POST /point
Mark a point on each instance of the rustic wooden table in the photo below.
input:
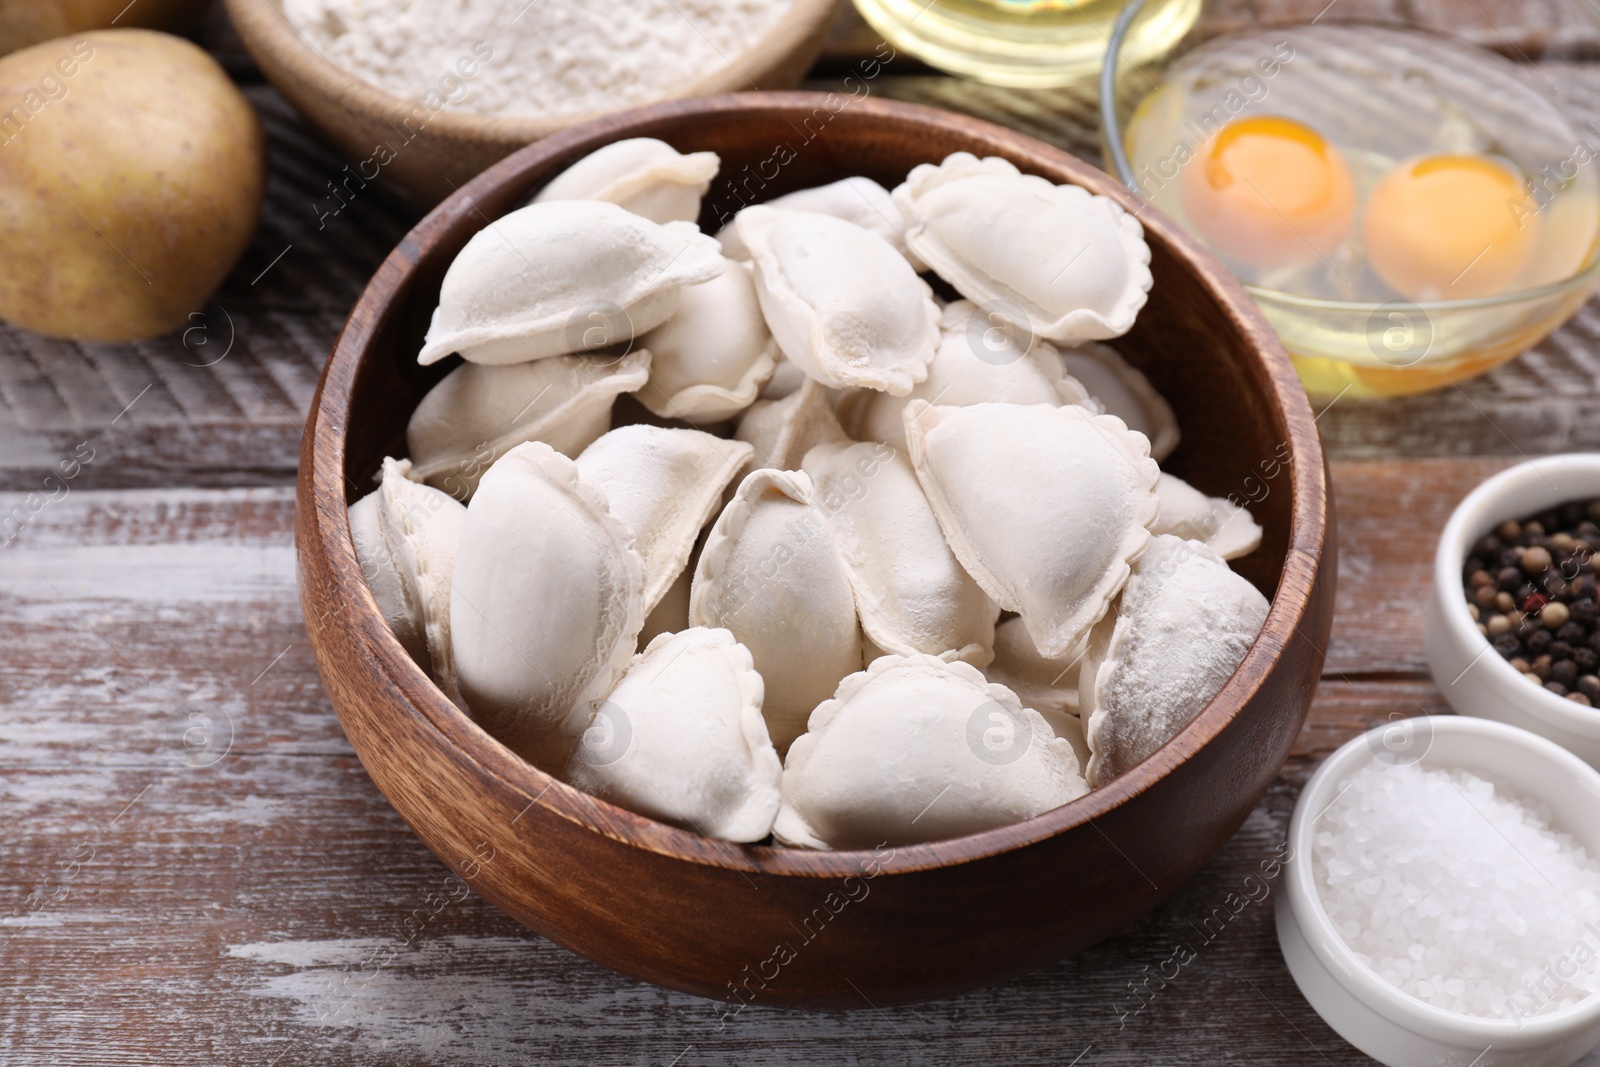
(195, 869)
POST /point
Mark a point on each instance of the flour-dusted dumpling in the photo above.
(641, 174)
(769, 574)
(1048, 686)
(564, 276)
(783, 431)
(786, 380)
(1181, 628)
(1188, 513)
(911, 594)
(709, 361)
(916, 749)
(842, 303)
(977, 361)
(478, 413)
(663, 485)
(1073, 264)
(405, 536)
(681, 739)
(1126, 393)
(546, 603)
(1044, 506)
(858, 200)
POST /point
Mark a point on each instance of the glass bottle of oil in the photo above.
(1031, 43)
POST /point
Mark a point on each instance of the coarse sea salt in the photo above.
(1459, 892)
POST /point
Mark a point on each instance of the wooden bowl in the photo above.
(433, 153)
(835, 929)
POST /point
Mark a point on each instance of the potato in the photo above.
(131, 179)
(25, 22)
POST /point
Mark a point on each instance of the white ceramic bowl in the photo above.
(1391, 1026)
(1472, 676)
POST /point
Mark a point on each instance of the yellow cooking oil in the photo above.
(1026, 43)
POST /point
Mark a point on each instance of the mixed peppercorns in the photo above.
(1532, 586)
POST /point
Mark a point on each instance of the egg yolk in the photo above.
(1268, 192)
(1441, 227)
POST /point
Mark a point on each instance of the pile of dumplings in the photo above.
(851, 564)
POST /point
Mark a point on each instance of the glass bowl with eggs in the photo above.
(1408, 207)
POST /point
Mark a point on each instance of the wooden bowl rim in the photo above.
(324, 488)
(263, 26)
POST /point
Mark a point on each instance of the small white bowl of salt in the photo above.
(1441, 901)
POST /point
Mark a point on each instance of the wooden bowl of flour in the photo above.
(431, 152)
(842, 929)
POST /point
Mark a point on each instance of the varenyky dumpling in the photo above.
(1182, 626)
(642, 175)
(405, 537)
(1186, 512)
(770, 575)
(546, 603)
(911, 594)
(783, 431)
(843, 304)
(663, 485)
(916, 749)
(1048, 686)
(977, 361)
(477, 413)
(858, 200)
(1074, 263)
(1126, 393)
(681, 739)
(709, 361)
(1044, 506)
(564, 276)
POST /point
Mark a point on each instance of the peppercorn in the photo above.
(1554, 615)
(1508, 579)
(1589, 686)
(1560, 650)
(1562, 541)
(1503, 603)
(1485, 596)
(1557, 688)
(1538, 641)
(1499, 624)
(1587, 659)
(1535, 561)
(1584, 611)
(1506, 644)
(1572, 633)
(1542, 665)
(1511, 529)
(1579, 698)
(1564, 671)
(1518, 664)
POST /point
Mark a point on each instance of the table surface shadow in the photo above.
(194, 867)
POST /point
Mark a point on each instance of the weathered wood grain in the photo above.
(227, 915)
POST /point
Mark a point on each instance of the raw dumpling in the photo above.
(977, 361)
(564, 276)
(783, 431)
(663, 485)
(1126, 393)
(786, 379)
(1186, 512)
(769, 574)
(842, 303)
(1183, 625)
(478, 413)
(405, 536)
(681, 739)
(1048, 686)
(546, 605)
(911, 594)
(1044, 506)
(709, 361)
(1074, 265)
(858, 200)
(642, 175)
(915, 749)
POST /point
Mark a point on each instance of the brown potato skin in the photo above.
(131, 177)
(26, 22)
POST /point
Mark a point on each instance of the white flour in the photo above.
(544, 56)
